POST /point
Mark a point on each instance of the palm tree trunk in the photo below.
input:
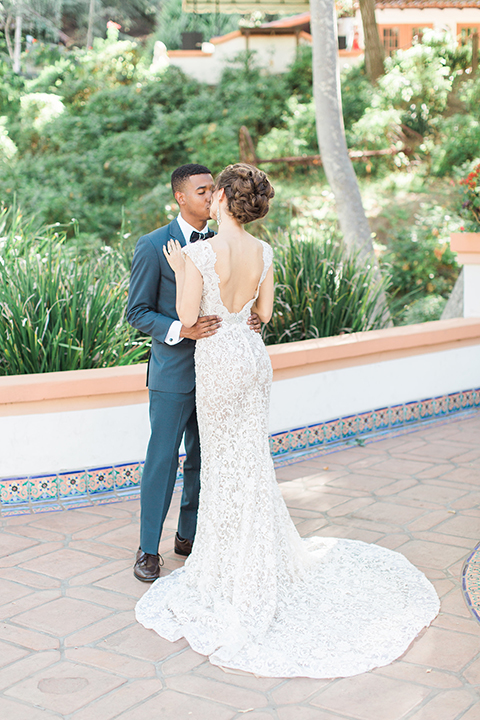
(374, 52)
(17, 49)
(330, 130)
(91, 16)
(331, 136)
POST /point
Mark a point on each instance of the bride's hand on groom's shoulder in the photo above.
(175, 258)
(255, 323)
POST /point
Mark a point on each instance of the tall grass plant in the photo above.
(321, 289)
(60, 310)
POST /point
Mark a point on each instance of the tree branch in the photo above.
(7, 36)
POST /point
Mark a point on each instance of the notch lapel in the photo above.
(176, 233)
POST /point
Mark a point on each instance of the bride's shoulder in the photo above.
(267, 251)
(200, 253)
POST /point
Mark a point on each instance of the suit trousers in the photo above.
(171, 415)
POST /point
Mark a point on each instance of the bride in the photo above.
(253, 595)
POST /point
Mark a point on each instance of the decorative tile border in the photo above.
(80, 488)
(471, 582)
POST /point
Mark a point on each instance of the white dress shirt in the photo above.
(173, 335)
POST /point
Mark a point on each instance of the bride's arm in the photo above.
(264, 303)
(189, 284)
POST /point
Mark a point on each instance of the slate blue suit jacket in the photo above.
(151, 309)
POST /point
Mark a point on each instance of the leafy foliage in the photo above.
(122, 130)
(321, 290)
(59, 311)
(424, 309)
(471, 199)
(296, 137)
(419, 259)
(417, 83)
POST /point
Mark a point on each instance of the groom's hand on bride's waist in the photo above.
(254, 322)
(204, 327)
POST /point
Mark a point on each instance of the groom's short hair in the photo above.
(182, 173)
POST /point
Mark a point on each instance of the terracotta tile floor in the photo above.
(70, 647)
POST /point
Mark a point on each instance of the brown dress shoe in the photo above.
(147, 567)
(182, 547)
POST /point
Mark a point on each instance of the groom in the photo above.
(170, 373)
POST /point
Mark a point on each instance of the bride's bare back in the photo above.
(239, 266)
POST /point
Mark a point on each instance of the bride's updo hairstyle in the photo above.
(248, 191)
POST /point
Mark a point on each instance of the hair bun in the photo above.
(248, 191)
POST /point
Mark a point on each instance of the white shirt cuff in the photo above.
(173, 335)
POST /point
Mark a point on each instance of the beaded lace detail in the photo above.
(253, 595)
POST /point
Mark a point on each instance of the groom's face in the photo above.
(195, 197)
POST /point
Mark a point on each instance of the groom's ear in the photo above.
(180, 198)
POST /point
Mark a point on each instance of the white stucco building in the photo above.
(399, 21)
(275, 43)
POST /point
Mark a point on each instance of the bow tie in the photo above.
(201, 236)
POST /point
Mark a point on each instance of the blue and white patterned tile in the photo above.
(316, 435)
(349, 426)
(454, 402)
(366, 422)
(42, 487)
(279, 443)
(71, 484)
(299, 439)
(381, 418)
(397, 415)
(427, 408)
(127, 475)
(14, 490)
(412, 412)
(333, 430)
(100, 480)
(441, 405)
(467, 399)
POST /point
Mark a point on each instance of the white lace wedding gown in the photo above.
(253, 595)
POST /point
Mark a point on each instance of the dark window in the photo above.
(390, 40)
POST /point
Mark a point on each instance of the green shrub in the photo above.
(417, 82)
(122, 131)
(248, 95)
(423, 310)
(297, 136)
(59, 311)
(377, 128)
(322, 290)
(419, 258)
(459, 143)
(298, 77)
(8, 148)
(11, 88)
(469, 93)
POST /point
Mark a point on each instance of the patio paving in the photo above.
(70, 647)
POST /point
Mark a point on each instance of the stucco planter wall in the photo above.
(324, 390)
